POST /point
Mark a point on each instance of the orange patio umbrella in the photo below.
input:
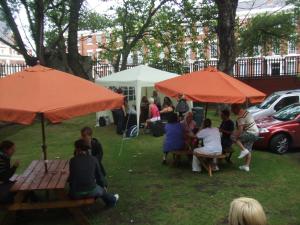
(210, 86)
(53, 95)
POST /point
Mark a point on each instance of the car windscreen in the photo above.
(268, 101)
(288, 113)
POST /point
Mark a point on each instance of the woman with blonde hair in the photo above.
(246, 211)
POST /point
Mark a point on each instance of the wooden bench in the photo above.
(206, 160)
(34, 178)
(51, 205)
(177, 154)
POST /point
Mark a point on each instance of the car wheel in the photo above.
(280, 143)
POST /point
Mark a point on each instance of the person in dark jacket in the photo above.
(7, 149)
(95, 146)
(182, 106)
(86, 179)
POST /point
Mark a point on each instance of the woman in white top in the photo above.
(212, 143)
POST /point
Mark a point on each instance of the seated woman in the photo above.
(166, 111)
(154, 114)
(190, 128)
(86, 179)
(211, 141)
(144, 109)
(174, 139)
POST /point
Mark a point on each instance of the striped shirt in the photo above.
(246, 120)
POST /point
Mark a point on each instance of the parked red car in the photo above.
(281, 131)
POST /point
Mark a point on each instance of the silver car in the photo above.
(274, 103)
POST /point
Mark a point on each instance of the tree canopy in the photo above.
(266, 29)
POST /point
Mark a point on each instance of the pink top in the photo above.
(154, 112)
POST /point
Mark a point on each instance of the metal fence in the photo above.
(243, 68)
(258, 67)
(7, 69)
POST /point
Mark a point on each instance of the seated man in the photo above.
(96, 149)
(211, 141)
(226, 129)
(86, 178)
(7, 149)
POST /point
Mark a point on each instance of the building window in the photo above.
(99, 38)
(256, 50)
(140, 57)
(189, 54)
(89, 40)
(130, 58)
(291, 47)
(276, 47)
(162, 55)
(214, 50)
(199, 30)
(90, 54)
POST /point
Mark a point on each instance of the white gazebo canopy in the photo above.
(137, 77)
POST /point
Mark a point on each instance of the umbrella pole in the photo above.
(206, 107)
(44, 146)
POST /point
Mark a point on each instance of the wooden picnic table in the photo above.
(34, 178)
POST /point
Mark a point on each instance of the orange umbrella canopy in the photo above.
(210, 85)
(58, 95)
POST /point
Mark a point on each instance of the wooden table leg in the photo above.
(10, 216)
(77, 213)
(79, 216)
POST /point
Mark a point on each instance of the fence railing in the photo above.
(7, 69)
(258, 67)
(243, 68)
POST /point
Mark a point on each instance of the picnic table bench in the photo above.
(206, 160)
(34, 179)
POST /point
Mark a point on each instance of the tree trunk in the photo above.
(124, 60)
(39, 34)
(73, 55)
(116, 64)
(20, 46)
(226, 34)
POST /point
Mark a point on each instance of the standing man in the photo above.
(226, 129)
(7, 149)
(156, 98)
(246, 134)
(182, 106)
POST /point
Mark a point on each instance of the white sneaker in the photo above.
(216, 169)
(245, 168)
(243, 153)
(117, 197)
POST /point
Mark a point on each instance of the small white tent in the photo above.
(137, 77)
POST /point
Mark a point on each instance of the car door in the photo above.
(297, 131)
(285, 101)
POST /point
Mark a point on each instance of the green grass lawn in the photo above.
(157, 194)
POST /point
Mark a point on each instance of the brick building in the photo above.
(89, 42)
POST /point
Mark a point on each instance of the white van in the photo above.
(274, 103)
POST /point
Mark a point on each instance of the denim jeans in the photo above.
(98, 192)
(5, 195)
